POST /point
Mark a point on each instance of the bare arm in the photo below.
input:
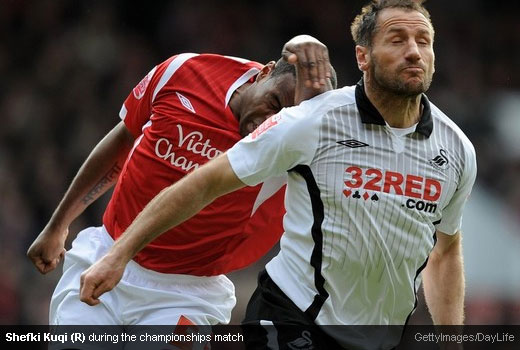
(443, 280)
(169, 208)
(97, 174)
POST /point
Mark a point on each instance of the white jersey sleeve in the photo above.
(283, 141)
(452, 214)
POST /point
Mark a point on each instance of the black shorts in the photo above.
(273, 321)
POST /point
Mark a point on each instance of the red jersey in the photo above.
(180, 117)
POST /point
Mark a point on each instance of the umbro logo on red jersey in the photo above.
(185, 102)
(352, 143)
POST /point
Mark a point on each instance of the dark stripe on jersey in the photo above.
(415, 294)
(419, 270)
(317, 236)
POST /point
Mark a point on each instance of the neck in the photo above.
(397, 110)
(236, 101)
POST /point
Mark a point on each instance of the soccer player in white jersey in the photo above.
(377, 181)
(186, 111)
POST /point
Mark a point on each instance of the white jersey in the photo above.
(363, 203)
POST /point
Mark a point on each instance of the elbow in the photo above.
(447, 246)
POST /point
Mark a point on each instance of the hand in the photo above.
(101, 277)
(311, 58)
(48, 249)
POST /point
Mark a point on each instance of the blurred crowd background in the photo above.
(67, 66)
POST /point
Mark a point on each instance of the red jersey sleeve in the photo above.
(136, 109)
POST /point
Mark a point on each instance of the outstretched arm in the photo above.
(443, 280)
(97, 174)
(169, 208)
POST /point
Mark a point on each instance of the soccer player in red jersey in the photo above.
(184, 112)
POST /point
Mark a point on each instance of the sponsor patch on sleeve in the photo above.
(266, 125)
(140, 89)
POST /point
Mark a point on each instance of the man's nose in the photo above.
(412, 51)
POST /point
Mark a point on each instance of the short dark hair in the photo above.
(363, 27)
(284, 67)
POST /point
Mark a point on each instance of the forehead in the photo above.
(282, 83)
(281, 88)
(395, 19)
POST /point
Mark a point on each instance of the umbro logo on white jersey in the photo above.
(352, 143)
(185, 102)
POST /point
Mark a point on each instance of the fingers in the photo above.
(297, 55)
(290, 57)
(324, 72)
(45, 265)
(311, 60)
(308, 68)
(47, 250)
(41, 266)
(90, 290)
(50, 266)
(97, 280)
(44, 268)
(318, 66)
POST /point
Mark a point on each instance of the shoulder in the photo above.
(206, 59)
(320, 105)
(178, 60)
(225, 61)
(300, 125)
(450, 130)
(242, 60)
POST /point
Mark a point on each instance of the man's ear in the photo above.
(362, 57)
(264, 72)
